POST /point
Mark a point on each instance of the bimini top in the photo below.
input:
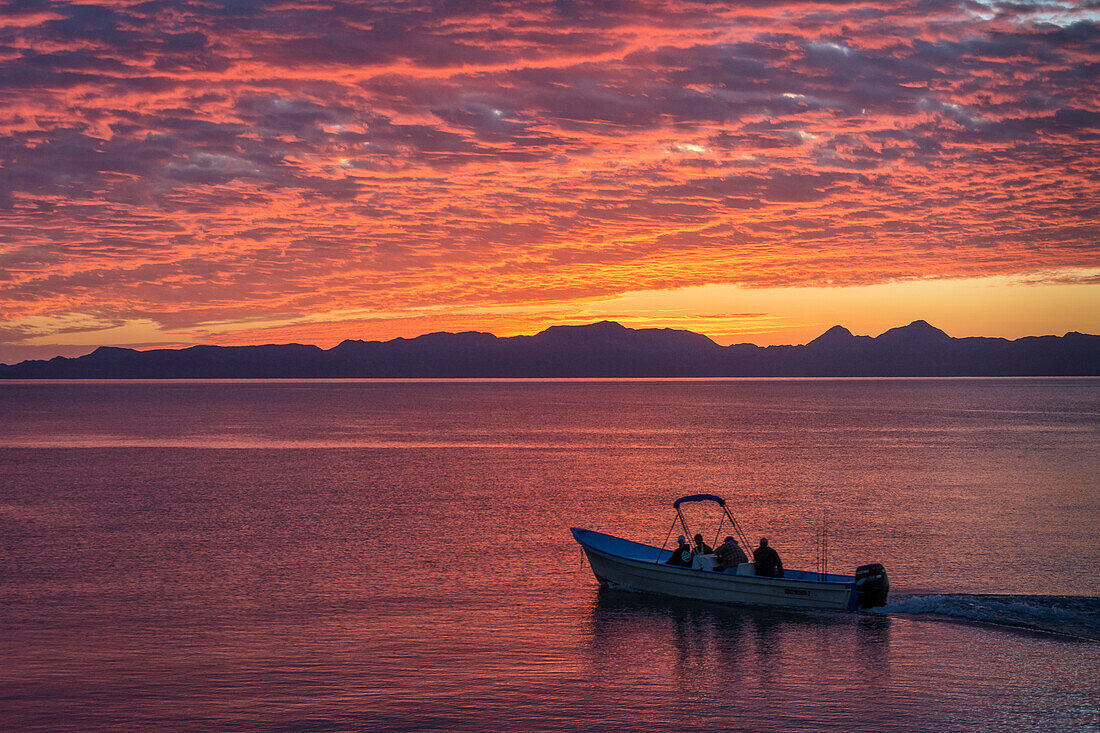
(698, 497)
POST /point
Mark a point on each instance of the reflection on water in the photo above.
(720, 655)
(787, 671)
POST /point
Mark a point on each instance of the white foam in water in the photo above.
(1071, 615)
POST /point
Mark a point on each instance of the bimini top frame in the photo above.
(699, 497)
(725, 509)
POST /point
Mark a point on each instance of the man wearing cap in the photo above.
(682, 555)
(730, 554)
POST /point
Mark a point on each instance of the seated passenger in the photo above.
(730, 554)
(681, 555)
(767, 560)
(702, 548)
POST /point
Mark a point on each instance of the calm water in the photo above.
(396, 556)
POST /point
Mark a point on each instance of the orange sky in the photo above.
(230, 173)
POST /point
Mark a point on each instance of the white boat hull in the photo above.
(632, 566)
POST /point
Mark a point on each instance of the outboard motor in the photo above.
(872, 586)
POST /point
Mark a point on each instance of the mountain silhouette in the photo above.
(837, 336)
(603, 349)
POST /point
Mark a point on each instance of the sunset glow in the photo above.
(237, 172)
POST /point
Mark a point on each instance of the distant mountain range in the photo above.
(604, 349)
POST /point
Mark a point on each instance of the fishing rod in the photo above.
(823, 547)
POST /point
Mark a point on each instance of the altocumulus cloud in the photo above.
(187, 162)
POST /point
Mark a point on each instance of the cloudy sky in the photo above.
(237, 171)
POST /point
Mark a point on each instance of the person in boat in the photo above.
(681, 555)
(702, 548)
(767, 560)
(730, 554)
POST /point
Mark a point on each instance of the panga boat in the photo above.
(633, 566)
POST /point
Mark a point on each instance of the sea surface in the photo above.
(396, 555)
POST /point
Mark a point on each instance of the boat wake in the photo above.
(1076, 616)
